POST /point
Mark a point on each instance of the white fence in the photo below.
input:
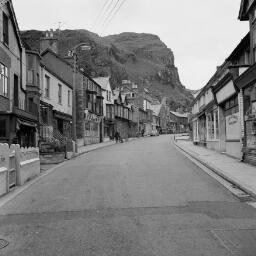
(17, 165)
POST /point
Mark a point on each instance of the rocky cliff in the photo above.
(142, 58)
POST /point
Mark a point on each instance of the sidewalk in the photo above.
(240, 174)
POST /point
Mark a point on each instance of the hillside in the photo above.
(142, 58)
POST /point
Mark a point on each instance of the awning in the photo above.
(25, 123)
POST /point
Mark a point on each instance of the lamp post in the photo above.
(84, 47)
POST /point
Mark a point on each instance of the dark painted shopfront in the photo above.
(247, 82)
(19, 127)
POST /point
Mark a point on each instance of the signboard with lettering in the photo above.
(233, 127)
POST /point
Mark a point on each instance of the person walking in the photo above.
(117, 136)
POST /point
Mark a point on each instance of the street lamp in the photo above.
(84, 47)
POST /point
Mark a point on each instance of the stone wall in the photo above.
(18, 165)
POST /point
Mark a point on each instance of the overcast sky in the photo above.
(201, 33)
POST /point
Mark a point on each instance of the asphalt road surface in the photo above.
(140, 198)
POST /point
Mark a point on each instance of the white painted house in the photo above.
(106, 92)
(56, 92)
(56, 103)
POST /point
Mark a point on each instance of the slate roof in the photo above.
(102, 81)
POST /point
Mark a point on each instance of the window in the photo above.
(94, 103)
(254, 42)
(69, 98)
(3, 80)
(5, 29)
(47, 86)
(216, 124)
(88, 101)
(2, 128)
(231, 106)
(38, 80)
(195, 130)
(30, 77)
(108, 111)
(59, 93)
(44, 114)
(213, 125)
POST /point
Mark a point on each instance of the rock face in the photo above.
(142, 58)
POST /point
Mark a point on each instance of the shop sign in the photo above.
(233, 127)
(92, 117)
(226, 92)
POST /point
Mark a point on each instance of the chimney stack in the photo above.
(49, 42)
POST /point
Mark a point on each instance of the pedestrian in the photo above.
(117, 136)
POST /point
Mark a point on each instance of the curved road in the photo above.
(139, 198)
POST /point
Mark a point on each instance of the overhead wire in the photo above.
(110, 13)
(113, 16)
(105, 14)
(100, 12)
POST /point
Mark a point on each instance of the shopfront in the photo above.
(202, 130)
(212, 128)
(93, 129)
(250, 124)
(226, 95)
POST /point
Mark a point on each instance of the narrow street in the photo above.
(137, 198)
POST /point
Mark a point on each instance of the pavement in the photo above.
(240, 174)
(142, 198)
(88, 148)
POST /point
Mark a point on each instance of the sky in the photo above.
(201, 33)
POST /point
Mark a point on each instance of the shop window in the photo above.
(2, 128)
(210, 126)
(213, 125)
(3, 80)
(195, 130)
(44, 115)
(250, 102)
(250, 115)
(60, 125)
(251, 134)
(87, 128)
